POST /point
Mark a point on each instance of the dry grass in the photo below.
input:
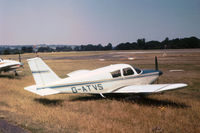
(175, 111)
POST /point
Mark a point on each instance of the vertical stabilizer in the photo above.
(41, 72)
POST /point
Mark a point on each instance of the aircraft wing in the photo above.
(154, 88)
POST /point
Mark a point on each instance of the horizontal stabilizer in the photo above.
(149, 88)
(41, 92)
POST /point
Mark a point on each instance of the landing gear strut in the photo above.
(102, 95)
(16, 74)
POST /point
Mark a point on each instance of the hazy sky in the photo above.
(96, 21)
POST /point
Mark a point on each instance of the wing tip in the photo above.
(182, 84)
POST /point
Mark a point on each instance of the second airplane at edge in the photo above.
(10, 65)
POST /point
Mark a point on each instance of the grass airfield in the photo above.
(173, 111)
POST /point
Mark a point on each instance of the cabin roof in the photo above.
(112, 68)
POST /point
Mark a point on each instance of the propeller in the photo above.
(20, 60)
(156, 63)
(156, 68)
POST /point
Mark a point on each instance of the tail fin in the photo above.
(41, 72)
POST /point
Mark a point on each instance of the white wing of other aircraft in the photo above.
(118, 78)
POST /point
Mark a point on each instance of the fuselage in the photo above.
(103, 80)
(9, 65)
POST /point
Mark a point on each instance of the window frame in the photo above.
(137, 69)
(119, 74)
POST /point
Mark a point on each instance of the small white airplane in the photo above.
(10, 65)
(118, 78)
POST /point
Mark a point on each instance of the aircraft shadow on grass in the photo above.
(135, 99)
(11, 76)
(49, 102)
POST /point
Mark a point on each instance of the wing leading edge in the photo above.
(149, 88)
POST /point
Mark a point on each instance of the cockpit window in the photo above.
(116, 74)
(128, 71)
(138, 70)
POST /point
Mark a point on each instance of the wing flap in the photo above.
(41, 92)
(149, 88)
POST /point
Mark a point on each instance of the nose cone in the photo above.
(160, 73)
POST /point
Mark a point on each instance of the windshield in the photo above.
(137, 70)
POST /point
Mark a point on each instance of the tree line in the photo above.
(141, 44)
(177, 43)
